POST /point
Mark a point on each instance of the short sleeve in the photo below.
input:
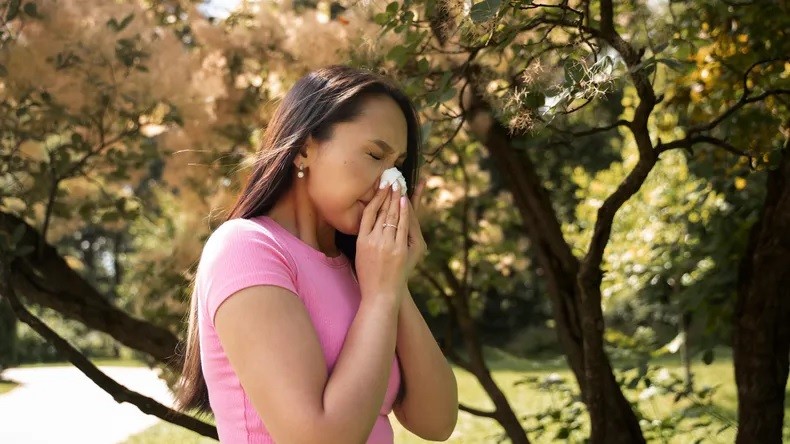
(239, 254)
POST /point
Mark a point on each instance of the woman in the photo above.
(300, 301)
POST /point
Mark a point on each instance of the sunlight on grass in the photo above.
(7, 386)
(506, 371)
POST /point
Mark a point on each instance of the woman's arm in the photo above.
(271, 343)
(430, 406)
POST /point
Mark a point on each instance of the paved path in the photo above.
(61, 405)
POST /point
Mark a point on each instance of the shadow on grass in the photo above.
(6, 385)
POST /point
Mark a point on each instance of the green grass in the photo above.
(6, 386)
(506, 371)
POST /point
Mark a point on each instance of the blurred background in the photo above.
(607, 205)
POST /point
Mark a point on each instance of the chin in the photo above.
(352, 227)
(350, 232)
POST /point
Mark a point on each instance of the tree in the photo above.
(492, 58)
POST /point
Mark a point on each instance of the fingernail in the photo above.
(403, 201)
(382, 185)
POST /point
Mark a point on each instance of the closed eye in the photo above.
(399, 166)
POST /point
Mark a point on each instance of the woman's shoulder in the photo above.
(243, 229)
(241, 236)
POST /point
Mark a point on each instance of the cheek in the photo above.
(342, 183)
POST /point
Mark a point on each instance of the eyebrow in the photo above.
(386, 147)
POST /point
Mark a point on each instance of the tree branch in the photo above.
(688, 142)
(744, 100)
(590, 131)
(119, 393)
(50, 282)
(477, 412)
(450, 351)
(607, 17)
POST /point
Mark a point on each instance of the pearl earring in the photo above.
(300, 174)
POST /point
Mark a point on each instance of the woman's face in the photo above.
(344, 175)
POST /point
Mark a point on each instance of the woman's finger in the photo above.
(402, 236)
(370, 213)
(381, 217)
(393, 212)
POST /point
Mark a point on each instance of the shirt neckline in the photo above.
(336, 261)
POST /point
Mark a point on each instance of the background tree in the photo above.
(494, 56)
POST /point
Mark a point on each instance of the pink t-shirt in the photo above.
(244, 252)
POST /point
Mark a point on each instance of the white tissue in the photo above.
(391, 175)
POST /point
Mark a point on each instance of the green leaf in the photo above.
(484, 11)
(447, 94)
(24, 250)
(13, 10)
(426, 131)
(392, 8)
(110, 216)
(31, 10)
(87, 211)
(398, 54)
(534, 100)
(423, 65)
(16, 236)
(381, 18)
(574, 73)
(676, 65)
(125, 22)
(660, 47)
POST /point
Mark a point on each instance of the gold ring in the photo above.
(390, 225)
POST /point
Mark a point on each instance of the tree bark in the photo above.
(46, 279)
(762, 317)
(613, 418)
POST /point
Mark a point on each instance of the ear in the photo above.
(307, 153)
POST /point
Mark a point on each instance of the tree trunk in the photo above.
(561, 268)
(762, 316)
(685, 351)
(8, 336)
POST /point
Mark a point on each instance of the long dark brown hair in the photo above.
(316, 102)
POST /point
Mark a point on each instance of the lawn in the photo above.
(508, 370)
(6, 386)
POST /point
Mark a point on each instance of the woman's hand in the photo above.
(382, 246)
(417, 246)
